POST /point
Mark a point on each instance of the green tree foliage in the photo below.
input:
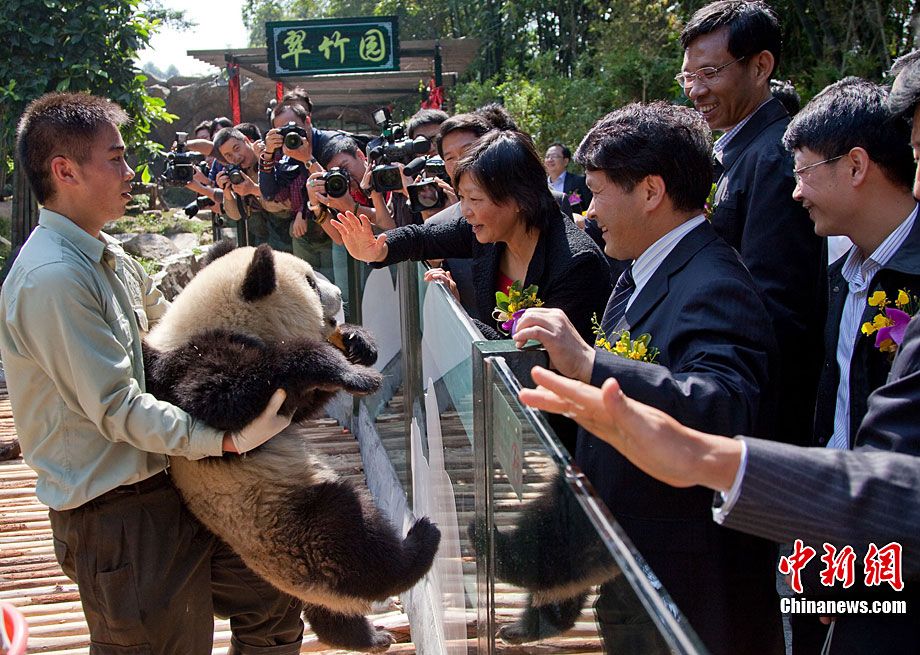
(560, 64)
(77, 45)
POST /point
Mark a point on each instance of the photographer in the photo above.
(268, 221)
(343, 153)
(283, 172)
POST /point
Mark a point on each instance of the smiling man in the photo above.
(687, 289)
(854, 174)
(731, 49)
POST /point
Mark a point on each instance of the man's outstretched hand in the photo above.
(647, 437)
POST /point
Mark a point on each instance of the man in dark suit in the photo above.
(572, 186)
(783, 492)
(854, 173)
(731, 48)
(689, 291)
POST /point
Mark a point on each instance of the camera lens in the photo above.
(235, 175)
(293, 141)
(336, 184)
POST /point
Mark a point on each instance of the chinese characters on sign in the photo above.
(332, 46)
(880, 565)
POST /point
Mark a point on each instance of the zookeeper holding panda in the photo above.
(72, 312)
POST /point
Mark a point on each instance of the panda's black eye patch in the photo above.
(312, 282)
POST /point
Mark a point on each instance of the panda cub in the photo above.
(251, 321)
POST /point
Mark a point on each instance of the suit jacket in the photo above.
(869, 367)
(755, 213)
(702, 311)
(569, 270)
(575, 188)
(871, 494)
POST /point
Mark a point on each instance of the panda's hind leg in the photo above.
(349, 631)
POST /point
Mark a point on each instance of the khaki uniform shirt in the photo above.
(72, 311)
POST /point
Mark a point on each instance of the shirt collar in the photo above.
(80, 238)
(649, 261)
(882, 255)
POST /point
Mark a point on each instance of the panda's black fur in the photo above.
(250, 322)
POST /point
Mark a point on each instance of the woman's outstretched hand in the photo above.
(359, 238)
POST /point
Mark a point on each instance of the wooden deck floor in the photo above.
(31, 579)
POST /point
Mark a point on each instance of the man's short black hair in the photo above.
(296, 109)
(496, 114)
(641, 140)
(854, 113)
(251, 130)
(905, 91)
(220, 123)
(61, 124)
(337, 145)
(784, 91)
(425, 117)
(506, 165)
(471, 122)
(566, 153)
(298, 95)
(752, 28)
(205, 125)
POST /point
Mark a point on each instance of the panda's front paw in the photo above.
(357, 344)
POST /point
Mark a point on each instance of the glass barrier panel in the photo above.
(560, 575)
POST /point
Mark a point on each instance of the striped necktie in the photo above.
(616, 306)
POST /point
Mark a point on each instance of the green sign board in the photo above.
(332, 45)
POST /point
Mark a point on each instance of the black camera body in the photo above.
(435, 167)
(293, 134)
(426, 195)
(337, 181)
(386, 177)
(390, 148)
(235, 174)
(180, 164)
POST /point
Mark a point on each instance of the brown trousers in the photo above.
(152, 577)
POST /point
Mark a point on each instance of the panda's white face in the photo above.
(285, 300)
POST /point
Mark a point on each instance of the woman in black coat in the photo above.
(512, 229)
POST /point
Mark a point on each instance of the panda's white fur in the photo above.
(248, 501)
(212, 299)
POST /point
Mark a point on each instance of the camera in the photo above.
(390, 148)
(235, 174)
(202, 202)
(180, 164)
(426, 195)
(293, 134)
(434, 167)
(337, 182)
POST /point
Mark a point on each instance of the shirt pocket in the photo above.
(121, 329)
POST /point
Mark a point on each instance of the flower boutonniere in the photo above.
(574, 198)
(890, 323)
(710, 205)
(509, 306)
(623, 345)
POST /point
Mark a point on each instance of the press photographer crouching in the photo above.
(268, 220)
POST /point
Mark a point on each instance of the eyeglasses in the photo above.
(707, 75)
(798, 172)
(552, 157)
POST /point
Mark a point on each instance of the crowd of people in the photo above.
(684, 289)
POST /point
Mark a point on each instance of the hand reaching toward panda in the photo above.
(359, 238)
(262, 428)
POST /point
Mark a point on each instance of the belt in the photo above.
(156, 481)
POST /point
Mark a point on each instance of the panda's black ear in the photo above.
(218, 250)
(260, 276)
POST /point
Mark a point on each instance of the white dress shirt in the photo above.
(558, 184)
(649, 261)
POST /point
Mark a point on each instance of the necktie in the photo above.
(616, 306)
